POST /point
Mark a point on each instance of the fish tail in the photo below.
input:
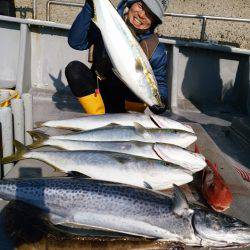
(40, 124)
(38, 138)
(196, 149)
(94, 18)
(18, 155)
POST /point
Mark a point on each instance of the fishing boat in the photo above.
(209, 90)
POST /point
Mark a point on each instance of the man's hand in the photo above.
(91, 4)
(160, 109)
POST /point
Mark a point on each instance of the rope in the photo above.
(13, 94)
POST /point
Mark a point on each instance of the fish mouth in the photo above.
(156, 122)
(219, 208)
(159, 152)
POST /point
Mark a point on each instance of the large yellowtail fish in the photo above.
(109, 166)
(130, 62)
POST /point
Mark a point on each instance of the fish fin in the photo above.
(112, 125)
(180, 201)
(139, 129)
(76, 174)
(210, 164)
(94, 17)
(39, 124)
(18, 155)
(38, 138)
(147, 185)
(196, 149)
(138, 64)
(121, 159)
(216, 166)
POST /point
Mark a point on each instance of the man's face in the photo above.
(139, 16)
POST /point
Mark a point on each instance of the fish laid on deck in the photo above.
(161, 151)
(214, 189)
(89, 122)
(127, 209)
(136, 133)
(110, 166)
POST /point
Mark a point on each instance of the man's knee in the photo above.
(75, 70)
(80, 79)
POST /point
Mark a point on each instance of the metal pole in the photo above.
(203, 29)
(49, 3)
(28, 116)
(34, 10)
(18, 115)
(7, 135)
(234, 19)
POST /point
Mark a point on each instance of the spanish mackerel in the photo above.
(130, 62)
(89, 122)
(161, 151)
(136, 133)
(126, 209)
(109, 166)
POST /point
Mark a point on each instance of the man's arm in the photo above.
(83, 31)
(159, 63)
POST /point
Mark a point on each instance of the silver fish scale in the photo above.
(120, 134)
(66, 195)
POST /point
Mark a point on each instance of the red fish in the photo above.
(214, 188)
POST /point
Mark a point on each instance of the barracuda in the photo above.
(161, 151)
(97, 121)
(127, 209)
(130, 62)
(109, 166)
(136, 133)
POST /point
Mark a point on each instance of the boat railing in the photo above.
(204, 18)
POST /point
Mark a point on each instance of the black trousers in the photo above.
(83, 81)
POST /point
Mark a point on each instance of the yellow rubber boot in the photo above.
(92, 104)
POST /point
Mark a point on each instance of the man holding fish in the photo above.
(146, 79)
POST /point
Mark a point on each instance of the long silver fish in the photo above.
(126, 209)
(89, 122)
(130, 62)
(109, 166)
(136, 133)
(161, 151)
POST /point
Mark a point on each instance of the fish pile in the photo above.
(125, 164)
(152, 157)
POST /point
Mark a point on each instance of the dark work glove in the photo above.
(91, 4)
(160, 109)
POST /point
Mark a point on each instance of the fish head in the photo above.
(217, 229)
(192, 161)
(215, 191)
(165, 122)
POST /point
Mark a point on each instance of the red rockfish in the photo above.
(214, 188)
